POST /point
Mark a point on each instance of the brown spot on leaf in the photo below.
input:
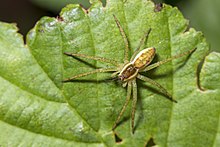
(158, 7)
(59, 18)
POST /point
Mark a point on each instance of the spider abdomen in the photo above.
(144, 57)
(141, 60)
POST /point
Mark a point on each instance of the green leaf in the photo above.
(37, 109)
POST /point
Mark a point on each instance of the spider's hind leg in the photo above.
(152, 66)
(161, 88)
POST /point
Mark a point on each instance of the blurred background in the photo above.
(204, 15)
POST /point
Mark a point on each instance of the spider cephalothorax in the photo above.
(130, 71)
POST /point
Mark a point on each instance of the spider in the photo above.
(130, 70)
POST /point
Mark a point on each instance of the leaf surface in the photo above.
(37, 109)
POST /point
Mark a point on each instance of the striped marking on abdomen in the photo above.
(144, 57)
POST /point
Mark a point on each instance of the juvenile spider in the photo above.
(130, 70)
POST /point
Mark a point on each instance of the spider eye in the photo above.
(121, 77)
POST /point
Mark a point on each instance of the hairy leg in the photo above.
(101, 70)
(152, 66)
(124, 106)
(94, 58)
(143, 39)
(161, 88)
(126, 53)
(134, 103)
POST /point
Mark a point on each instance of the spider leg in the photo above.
(162, 89)
(91, 72)
(143, 39)
(126, 56)
(124, 106)
(94, 58)
(115, 74)
(134, 103)
(152, 66)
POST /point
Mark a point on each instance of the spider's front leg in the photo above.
(122, 32)
(101, 70)
(134, 103)
(129, 87)
(96, 58)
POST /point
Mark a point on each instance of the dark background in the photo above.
(204, 15)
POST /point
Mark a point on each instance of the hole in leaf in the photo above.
(117, 138)
(199, 68)
(150, 143)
